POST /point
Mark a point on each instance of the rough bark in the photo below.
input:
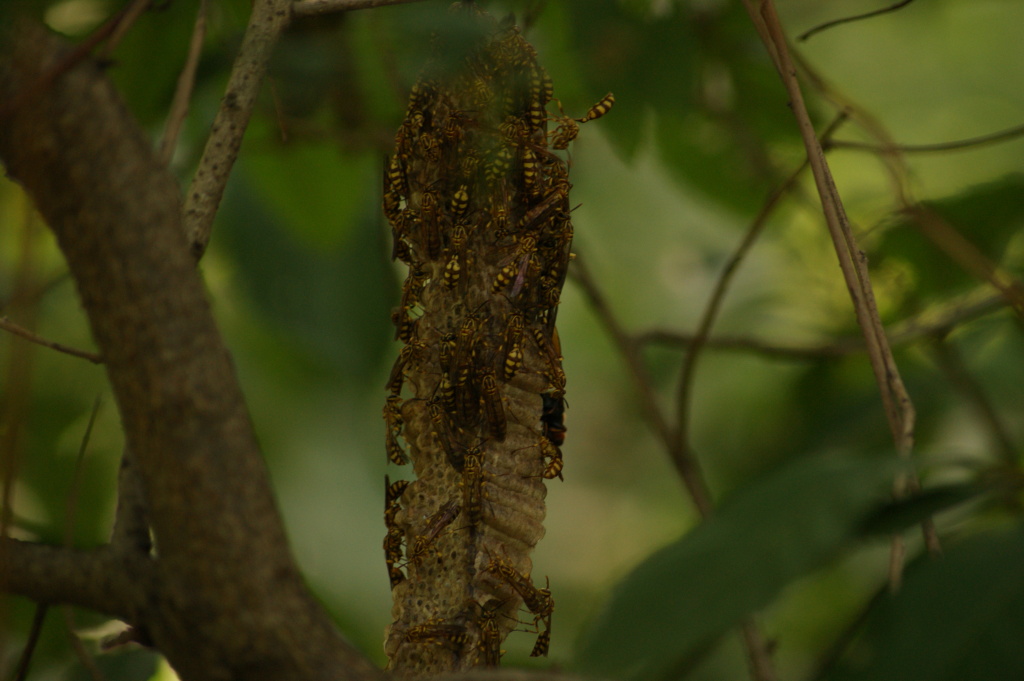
(224, 599)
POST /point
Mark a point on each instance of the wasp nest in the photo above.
(478, 202)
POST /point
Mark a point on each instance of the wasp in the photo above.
(482, 94)
(599, 109)
(490, 638)
(551, 350)
(407, 221)
(459, 202)
(515, 268)
(472, 486)
(393, 539)
(537, 601)
(393, 555)
(397, 376)
(430, 146)
(440, 519)
(464, 347)
(413, 287)
(444, 435)
(514, 129)
(532, 219)
(469, 162)
(547, 86)
(393, 422)
(530, 168)
(511, 347)
(420, 93)
(552, 418)
(552, 455)
(394, 177)
(499, 212)
(540, 648)
(430, 220)
(535, 110)
(452, 271)
(405, 325)
(494, 408)
(435, 631)
(499, 165)
(392, 493)
(564, 133)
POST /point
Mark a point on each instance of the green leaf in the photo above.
(768, 534)
(719, 106)
(957, 617)
(897, 516)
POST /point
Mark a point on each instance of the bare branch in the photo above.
(899, 409)
(25, 659)
(310, 8)
(626, 345)
(269, 18)
(76, 644)
(679, 446)
(96, 579)
(186, 81)
(20, 331)
(858, 17)
(955, 145)
(924, 326)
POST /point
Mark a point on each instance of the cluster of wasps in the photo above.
(477, 196)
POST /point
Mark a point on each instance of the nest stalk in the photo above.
(478, 202)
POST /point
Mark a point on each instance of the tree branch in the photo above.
(312, 8)
(269, 18)
(98, 579)
(20, 331)
(221, 544)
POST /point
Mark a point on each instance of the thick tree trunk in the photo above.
(221, 597)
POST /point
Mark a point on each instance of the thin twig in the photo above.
(680, 449)
(25, 660)
(955, 145)
(76, 644)
(923, 326)
(626, 346)
(71, 509)
(857, 17)
(16, 396)
(898, 407)
(20, 331)
(310, 8)
(70, 514)
(269, 18)
(906, 482)
(183, 92)
(131, 14)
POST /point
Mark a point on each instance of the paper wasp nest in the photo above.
(479, 207)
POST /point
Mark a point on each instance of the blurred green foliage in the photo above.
(669, 180)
